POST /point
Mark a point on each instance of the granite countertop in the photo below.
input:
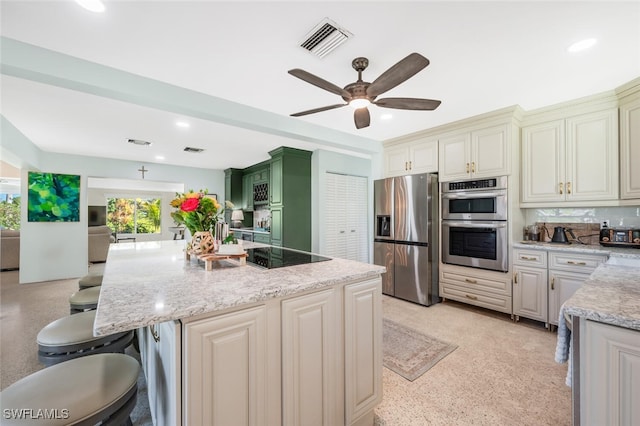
(151, 282)
(580, 248)
(611, 295)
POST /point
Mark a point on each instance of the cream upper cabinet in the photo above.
(572, 159)
(630, 149)
(477, 154)
(420, 156)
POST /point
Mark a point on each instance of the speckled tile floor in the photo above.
(502, 373)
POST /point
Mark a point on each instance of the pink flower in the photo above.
(189, 205)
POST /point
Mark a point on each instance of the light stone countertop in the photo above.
(151, 282)
(611, 295)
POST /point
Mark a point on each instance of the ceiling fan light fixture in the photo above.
(358, 103)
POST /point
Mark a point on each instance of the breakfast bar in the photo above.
(249, 344)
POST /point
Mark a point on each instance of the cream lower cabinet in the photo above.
(609, 374)
(161, 364)
(488, 289)
(530, 298)
(225, 369)
(567, 272)
(311, 393)
(311, 359)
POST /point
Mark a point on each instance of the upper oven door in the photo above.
(478, 205)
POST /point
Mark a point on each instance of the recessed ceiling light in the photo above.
(386, 117)
(92, 5)
(182, 124)
(159, 157)
(582, 45)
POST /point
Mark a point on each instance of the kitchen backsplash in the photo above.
(584, 222)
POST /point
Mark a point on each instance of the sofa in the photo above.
(99, 239)
(9, 249)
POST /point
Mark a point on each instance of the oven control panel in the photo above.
(477, 184)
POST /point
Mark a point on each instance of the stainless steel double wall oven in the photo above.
(474, 223)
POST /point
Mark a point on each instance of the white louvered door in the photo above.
(346, 217)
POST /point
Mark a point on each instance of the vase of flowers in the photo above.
(199, 212)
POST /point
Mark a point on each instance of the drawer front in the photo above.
(261, 238)
(462, 294)
(531, 258)
(581, 263)
(477, 284)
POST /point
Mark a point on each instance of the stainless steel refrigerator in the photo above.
(406, 236)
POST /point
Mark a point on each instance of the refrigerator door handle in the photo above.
(499, 225)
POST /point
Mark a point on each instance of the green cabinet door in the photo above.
(276, 226)
(232, 191)
(275, 181)
(261, 238)
(247, 192)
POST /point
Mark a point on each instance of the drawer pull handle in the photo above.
(515, 278)
(467, 167)
(553, 281)
(568, 187)
(527, 258)
(468, 296)
(571, 262)
(561, 191)
(473, 167)
(471, 281)
(154, 333)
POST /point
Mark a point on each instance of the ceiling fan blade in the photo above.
(408, 103)
(362, 118)
(319, 82)
(313, 111)
(403, 70)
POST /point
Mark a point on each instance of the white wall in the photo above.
(327, 161)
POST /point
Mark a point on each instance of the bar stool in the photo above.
(83, 300)
(91, 280)
(100, 388)
(72, 337)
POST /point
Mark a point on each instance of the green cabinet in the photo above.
(261, 238)
(247, 193)
(290, 198)
(232, 190)
(255, 181)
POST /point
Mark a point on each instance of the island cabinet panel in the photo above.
(225, 369)
(310, 358)
(609, 374)
(363, 350)
(161, 364)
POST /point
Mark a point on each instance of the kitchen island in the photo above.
(606, 339)
(247, 345)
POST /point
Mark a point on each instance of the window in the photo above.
(134, 215)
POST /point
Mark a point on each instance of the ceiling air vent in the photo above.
(192, 149)
(324, 38)
(139, 142)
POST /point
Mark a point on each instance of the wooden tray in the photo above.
(209, 258)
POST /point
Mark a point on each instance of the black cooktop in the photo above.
(276, 257)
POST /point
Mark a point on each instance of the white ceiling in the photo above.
(484, 56)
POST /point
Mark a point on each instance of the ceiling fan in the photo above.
(362, 94)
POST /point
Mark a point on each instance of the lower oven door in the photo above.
(479, 244)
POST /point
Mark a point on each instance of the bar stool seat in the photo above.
(91, 280)
(83, 300)
(72, 337)
(99, 388)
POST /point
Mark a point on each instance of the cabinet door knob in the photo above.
(561, 190)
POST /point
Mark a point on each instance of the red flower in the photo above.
(189, 205)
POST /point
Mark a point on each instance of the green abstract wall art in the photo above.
(53, 197)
